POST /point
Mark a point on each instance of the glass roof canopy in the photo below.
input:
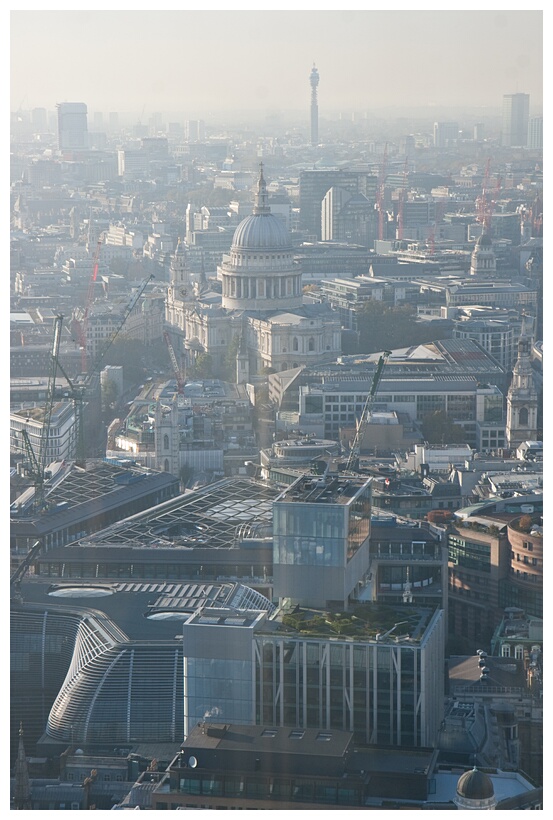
(212, 517)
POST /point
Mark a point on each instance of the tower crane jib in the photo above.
(366, 414)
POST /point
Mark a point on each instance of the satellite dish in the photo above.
(192, 762)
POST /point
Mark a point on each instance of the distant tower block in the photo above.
(314, 81)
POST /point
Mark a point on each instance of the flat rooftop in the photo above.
(329, 489)
(278, 740)
(142, 611)
(381, 622)
(100, 485)
(211, 517)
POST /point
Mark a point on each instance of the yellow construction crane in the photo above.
(353, 458)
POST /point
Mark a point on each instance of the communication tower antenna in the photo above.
(314, 82)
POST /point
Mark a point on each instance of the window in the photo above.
(519, 652)
(505, 651)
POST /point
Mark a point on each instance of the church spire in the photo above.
(22, 796)
(261, 197)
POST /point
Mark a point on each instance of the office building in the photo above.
(61, 437)
(420, 381)
(523, 587)
(497, 331)
(72, 127)
(228, 766)
(515, 120)
(348, 218)
(349, 296)
(321, 531)
(126, 679)
(446, 134)
(314, 183)
(318, 669)
(478, 132)
(194, 130)
(535, 133)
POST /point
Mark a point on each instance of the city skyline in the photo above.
(367, 60)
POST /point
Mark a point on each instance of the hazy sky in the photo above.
(198, 62)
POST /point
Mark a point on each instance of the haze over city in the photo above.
(241, 61)
(276, 317)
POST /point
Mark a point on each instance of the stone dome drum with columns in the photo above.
(261, 303)
(475, 791)
(259, 272)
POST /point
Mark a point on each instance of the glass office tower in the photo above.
(321, 528)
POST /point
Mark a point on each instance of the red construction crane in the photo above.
(380, 192)
(490, 210)
(402, 195)
(80, 327)
(78, 389)
(482, 205)
(176, 368)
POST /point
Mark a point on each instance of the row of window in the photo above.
(267, 788)
(525, 559)
(80, 776)
(525, 576)
(528, 546)
(518, 651)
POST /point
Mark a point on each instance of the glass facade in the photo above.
(359, 521)
(263, 787)
(513, 594)
(377, 692)
(429, 403)
(493, 408)
(218, 689)
(309, 534)
(469, 554)
(324, 534)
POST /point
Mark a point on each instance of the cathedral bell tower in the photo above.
(166, 437)
(522, 396)
(180, 289)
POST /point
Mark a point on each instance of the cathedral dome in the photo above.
(262, 230)
(475, 785)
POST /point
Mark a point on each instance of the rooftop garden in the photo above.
(364, 621)
(526, 523)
